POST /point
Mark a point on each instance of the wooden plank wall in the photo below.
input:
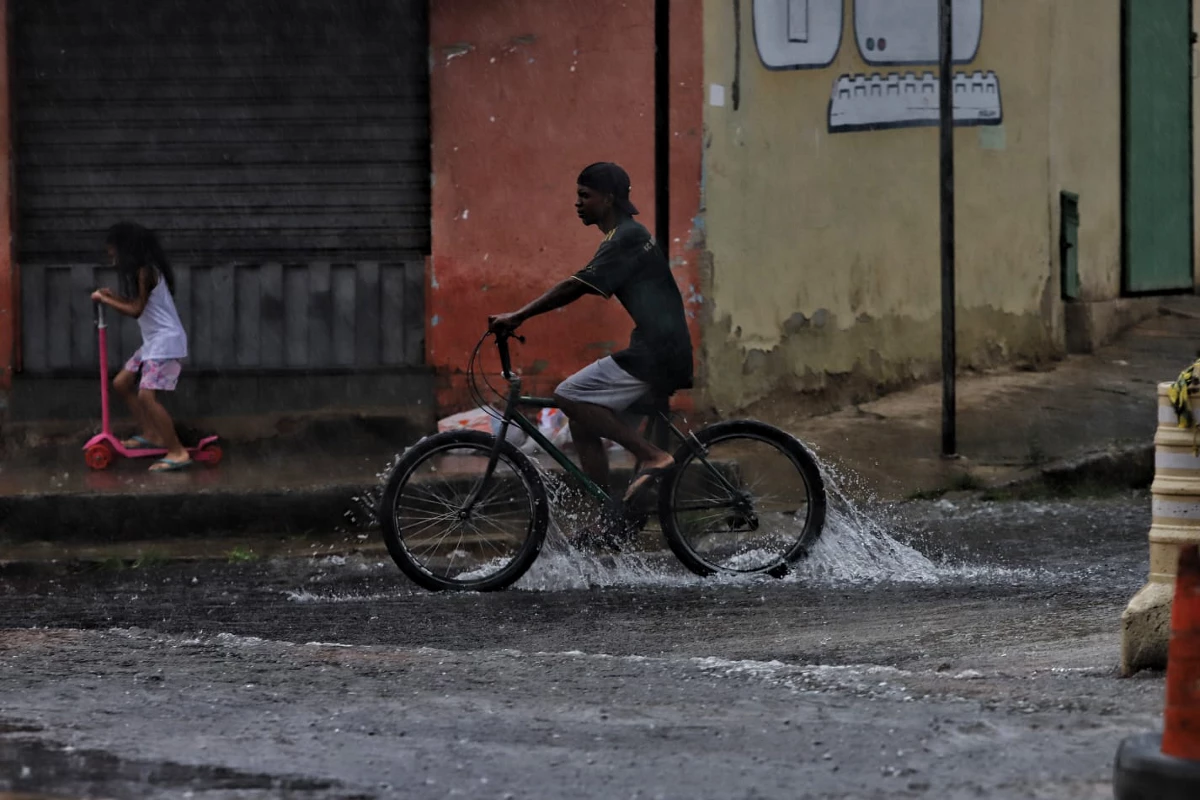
(240, 317)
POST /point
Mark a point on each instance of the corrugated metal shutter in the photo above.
(248, 133)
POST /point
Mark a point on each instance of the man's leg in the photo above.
(593, 455)
(600, 422)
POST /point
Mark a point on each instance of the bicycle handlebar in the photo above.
(502, 346)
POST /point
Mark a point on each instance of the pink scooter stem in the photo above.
(102, 328)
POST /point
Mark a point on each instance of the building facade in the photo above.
(350, 188)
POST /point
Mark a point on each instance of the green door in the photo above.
(1158, 145)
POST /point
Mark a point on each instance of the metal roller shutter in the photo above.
(262, 138)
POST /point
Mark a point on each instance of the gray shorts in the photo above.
(604, 383)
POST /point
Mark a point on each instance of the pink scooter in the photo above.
(103, 447)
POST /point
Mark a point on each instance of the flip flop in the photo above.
(171, 466)
(643, 478)
(141, 442)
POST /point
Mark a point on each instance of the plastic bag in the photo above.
(475, 420)
(553, 424)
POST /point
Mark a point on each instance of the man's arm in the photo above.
(560, 295)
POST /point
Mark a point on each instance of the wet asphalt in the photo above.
(948, 648)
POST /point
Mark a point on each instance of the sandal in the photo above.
(140, 443)
(169, 465)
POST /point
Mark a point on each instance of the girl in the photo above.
(146, 281)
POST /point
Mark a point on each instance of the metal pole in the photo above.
(946, 130)
(662, 124)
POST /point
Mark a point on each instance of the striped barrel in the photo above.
(1175, 502)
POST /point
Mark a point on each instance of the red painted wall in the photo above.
(523, 95)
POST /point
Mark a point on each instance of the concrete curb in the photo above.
(1120, 467)
(104, 518)
(108, 518)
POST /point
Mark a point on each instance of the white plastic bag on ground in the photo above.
(475, 420)
(554, 425)
(514, 434)
(483, 420)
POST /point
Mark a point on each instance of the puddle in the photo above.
(854, 548)
(37, 767)
(860, 545)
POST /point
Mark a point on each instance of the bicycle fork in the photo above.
(493, 457)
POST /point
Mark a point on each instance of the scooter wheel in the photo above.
(211, 454)
(99, 456)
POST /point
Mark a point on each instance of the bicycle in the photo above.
(468, 510)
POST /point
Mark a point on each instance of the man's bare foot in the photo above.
(647, 474)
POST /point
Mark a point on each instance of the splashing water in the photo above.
(855, 548)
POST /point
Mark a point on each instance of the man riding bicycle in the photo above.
(658, 360)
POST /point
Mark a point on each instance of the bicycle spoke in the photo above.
(430, 525)
(753, 529)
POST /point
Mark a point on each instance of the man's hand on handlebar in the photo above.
(503, 324)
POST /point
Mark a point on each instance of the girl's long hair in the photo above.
(138, 247)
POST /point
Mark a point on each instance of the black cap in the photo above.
(609, 178)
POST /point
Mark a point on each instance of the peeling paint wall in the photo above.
(824, 236)
(523, 95)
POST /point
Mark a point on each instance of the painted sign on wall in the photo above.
(906, 31)
(798, 34)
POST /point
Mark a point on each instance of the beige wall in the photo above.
(1085, 143)
(824, 247)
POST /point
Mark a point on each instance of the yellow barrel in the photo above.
(1175, 493)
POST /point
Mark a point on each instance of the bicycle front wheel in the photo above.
(749, 499)
(441, 543)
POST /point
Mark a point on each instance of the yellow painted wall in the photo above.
(824, 247)
(1085, 145)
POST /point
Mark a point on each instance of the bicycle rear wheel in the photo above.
(438, 543)
(751, 501)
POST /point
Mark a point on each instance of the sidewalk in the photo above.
(1089, 418)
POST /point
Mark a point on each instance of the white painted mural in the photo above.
(797, 34)
(906, 31)
(878, 102)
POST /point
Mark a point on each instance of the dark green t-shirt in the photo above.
(631, 266)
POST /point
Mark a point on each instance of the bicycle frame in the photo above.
(660, 420)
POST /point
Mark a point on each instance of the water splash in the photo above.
(860, 545)
(855, 548)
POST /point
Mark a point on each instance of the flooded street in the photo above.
(948, 648)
